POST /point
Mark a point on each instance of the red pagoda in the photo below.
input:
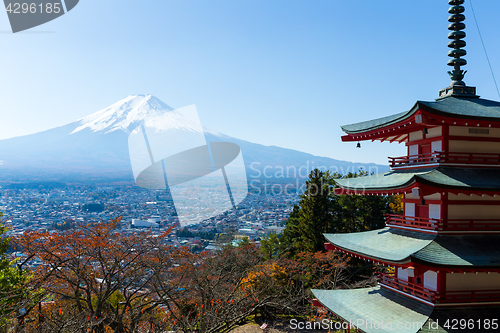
(445, 247)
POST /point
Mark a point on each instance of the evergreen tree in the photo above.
(313, 217)
(321, 211)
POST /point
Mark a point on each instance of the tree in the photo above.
(321, 211)
(270, 245)
(213, 292)
(98, 278)
(13, 281)
(313, 217)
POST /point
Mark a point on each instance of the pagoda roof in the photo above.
(375, 305)
(479, 179)
(457, 107)
(400, 247)
(387, 245)
(461, 250)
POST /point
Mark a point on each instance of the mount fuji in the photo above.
(96, 147)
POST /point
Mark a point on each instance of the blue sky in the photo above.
(275, 72)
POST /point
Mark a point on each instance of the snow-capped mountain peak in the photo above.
(123, 115)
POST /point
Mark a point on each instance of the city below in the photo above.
(56, 207)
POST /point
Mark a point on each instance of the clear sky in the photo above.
(276, 72)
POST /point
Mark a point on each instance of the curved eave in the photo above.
(400, 247)
(391, 182)
(391, 128)
(456, 180)
(370, 125)
(447, 110)
(375, 305)
(384, 245)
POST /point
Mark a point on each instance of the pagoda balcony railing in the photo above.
(484, 225)
(413, 222)
(446, 297)
(439, 157)
(407, 287)
(468, 296)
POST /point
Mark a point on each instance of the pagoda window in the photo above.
(430, 280)
(413, 151)
(434, 211)
(409, 209)
(402, 274)
(436, 146)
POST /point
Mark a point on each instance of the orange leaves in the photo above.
(81, 269)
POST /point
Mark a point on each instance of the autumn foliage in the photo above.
(96, 279)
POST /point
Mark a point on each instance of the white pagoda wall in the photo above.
(472, 281)
(464, 131)
(473, 212)
(462, 146)
(433, 132)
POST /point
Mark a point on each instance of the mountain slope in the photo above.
(97, 146)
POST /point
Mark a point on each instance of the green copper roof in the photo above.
(376, 123)
(386, 244)
(401, 246)
(375, 305)
(465, 250)
(445, 177)
(464, 107)
(476, 108)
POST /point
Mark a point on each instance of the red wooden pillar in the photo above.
(444, 208)
(441, 283)
(445, 130)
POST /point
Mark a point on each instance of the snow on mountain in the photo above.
(98, 145)
(124, 114)
(131, 111)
